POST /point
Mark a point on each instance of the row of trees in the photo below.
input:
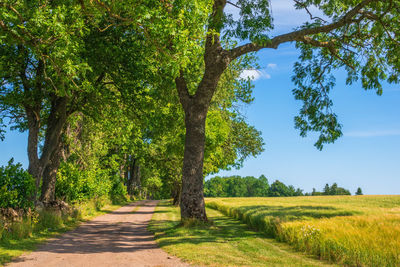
(156, 84)
(98, 100)
(333, 190)
(249, 186)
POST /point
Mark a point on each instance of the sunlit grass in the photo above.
(224, 242)
(350, 230)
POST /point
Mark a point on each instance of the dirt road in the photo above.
(116, 239)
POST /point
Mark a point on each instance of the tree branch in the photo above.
(229, 2)
(308, 11)
(299, 34)
(183, 91)
(329, 45)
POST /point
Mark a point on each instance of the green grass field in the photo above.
(226, 242)
(349, 230)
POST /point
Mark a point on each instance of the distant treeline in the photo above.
(250, 186)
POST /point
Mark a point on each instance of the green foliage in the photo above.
(118, 193)
(17, 187)
(236, 186)
(331, 191)
(359, 191)
(253, 22)
(357, 47)
(74, 184)
(249, 186)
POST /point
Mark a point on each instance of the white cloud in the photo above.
(272, 65)
(254, 75)
(373, 133)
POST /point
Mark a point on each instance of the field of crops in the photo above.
(349, 230)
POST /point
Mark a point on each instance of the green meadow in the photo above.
(348, 230)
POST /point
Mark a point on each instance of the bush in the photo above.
(118, 193)
(76, 185)
(17, 186)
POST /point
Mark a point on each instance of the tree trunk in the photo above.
(51, 154)
(34, 167)
(50, 176)
(216, 60)
(192, 198)
(134, 177)
(176, 193)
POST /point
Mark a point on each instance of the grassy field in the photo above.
(227, 242)
(25, 236)
(349, 230)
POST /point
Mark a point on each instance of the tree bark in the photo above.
(47, 165)
(134, 177)
(50, 176)
(196, 107)
(34, 167)
(176, 193)
(192, 198)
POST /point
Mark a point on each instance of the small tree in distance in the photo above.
(359, 192)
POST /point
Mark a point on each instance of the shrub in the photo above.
(118, 193)
(17, 186)
(76, 185)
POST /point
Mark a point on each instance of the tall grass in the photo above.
(353, 231)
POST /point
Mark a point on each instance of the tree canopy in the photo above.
(159, 82)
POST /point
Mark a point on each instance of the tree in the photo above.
(42, 77)
(353, 35)
(279, 189)
(334, 189)
(326, 190)
(359, 191)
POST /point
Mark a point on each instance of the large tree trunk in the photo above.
(47, 165)
(192, 198)
(196, 108)
(34, 167)
(50, 176)
(216, 60)
(51, 155)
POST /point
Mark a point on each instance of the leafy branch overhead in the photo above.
(359, 36)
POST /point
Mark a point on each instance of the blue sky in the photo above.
(367, 156)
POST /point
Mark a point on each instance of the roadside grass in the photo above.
(225, 242)
(348, 230)
(26, 235)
